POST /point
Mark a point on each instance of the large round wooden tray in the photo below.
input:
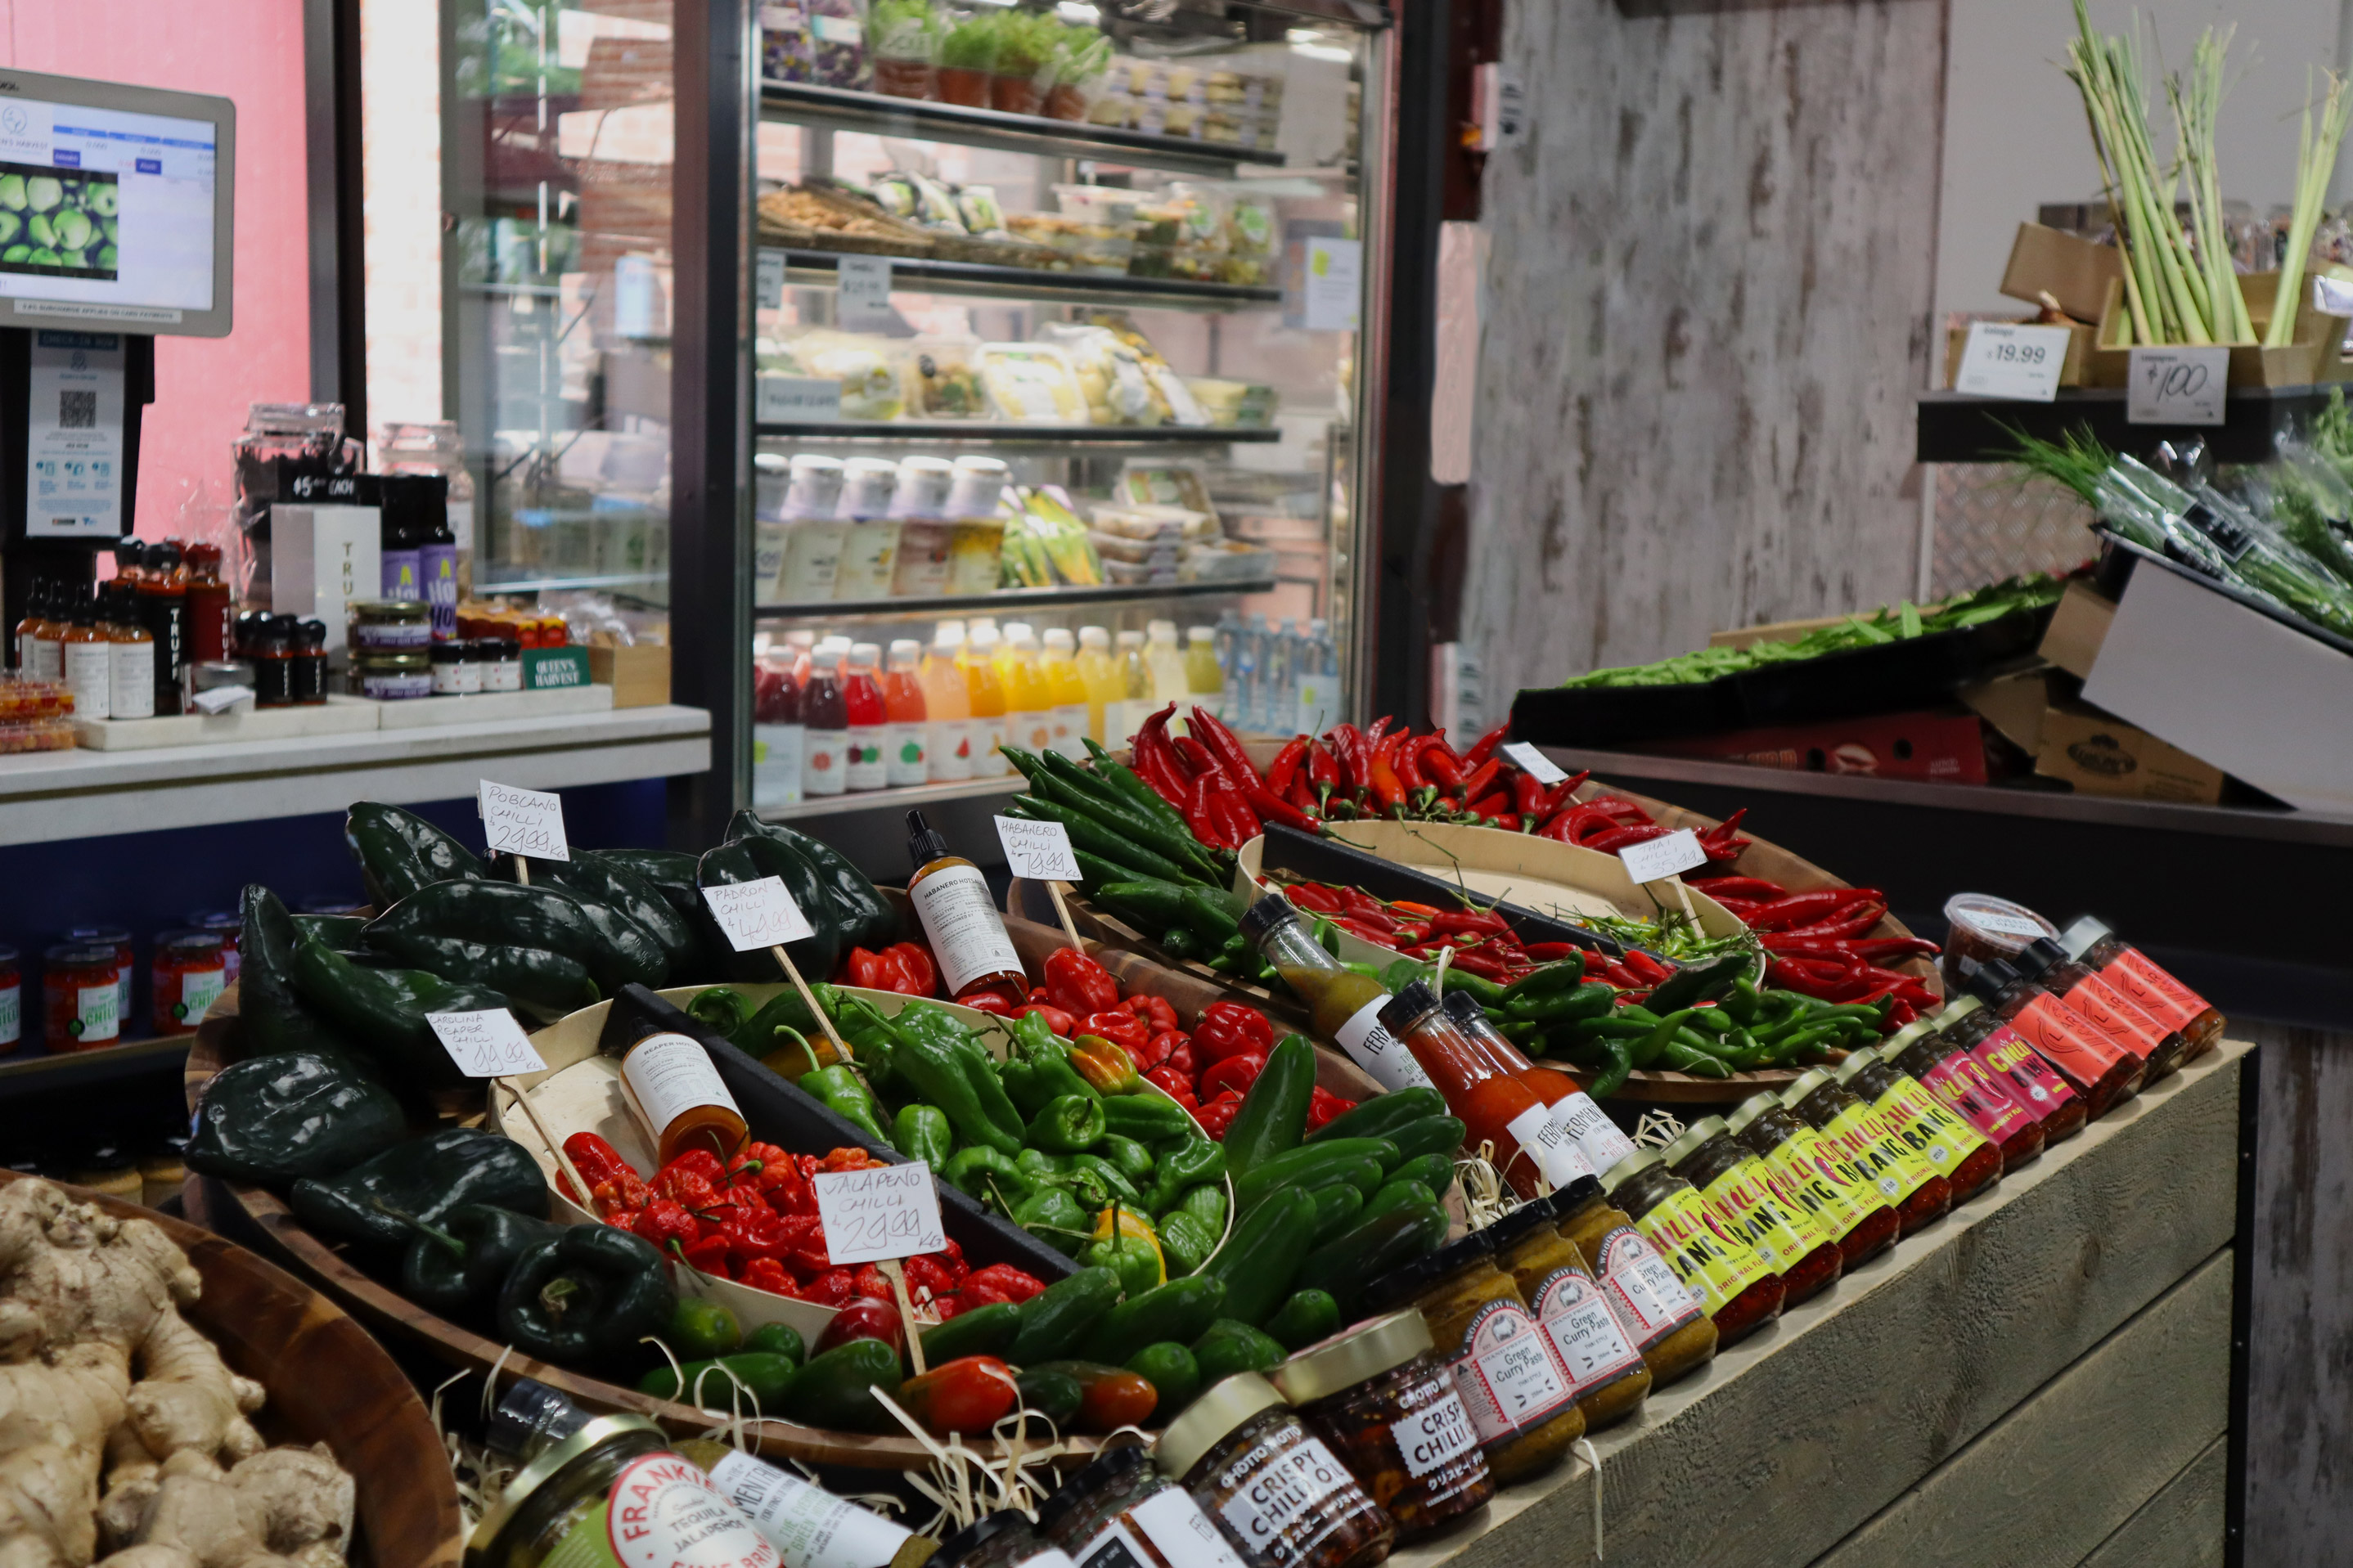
(327, 1382)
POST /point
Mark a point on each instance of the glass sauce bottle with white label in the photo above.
(960, 919)
(1532, 1152)
(677, 1093)
(1342, 1007)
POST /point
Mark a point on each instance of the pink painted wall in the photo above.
(250, 52)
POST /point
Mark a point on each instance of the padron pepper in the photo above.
(1133, 1160)
(1048, 1057)
(1054, 1217)
(939, 1074)
(839, 1090)
(423, 1179)
(1189, 1165)
(922, 1131)
(273, 1119)
(1069, 1124)
(584, 1298)
(459, 1263)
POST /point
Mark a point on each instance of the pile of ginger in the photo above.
(122, 1432)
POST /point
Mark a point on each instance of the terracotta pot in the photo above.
(962, 84)
(1016, 95)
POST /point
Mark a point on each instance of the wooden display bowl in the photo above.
(327, 1382)
(271, 1223)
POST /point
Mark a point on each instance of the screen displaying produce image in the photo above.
(59, 223)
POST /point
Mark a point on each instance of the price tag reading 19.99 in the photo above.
(884, 1211)
(1038, 851)
(2005, 359)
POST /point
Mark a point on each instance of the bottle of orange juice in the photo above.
(1100, 675)
(906, 746)
(986, 694)
(947, 705)
(1059, 668)
(1135, 683)
(1029, 704)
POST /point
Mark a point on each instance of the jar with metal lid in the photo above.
(1379, 1395)
(1735, 1284)
(1910, 1185)
(390, 626)
(1815, 1173)
(392, 677)
(1906, 1108)
(1120, 1511)
(190, 972)
(2158, 991)
(455, 673)
(1968, 1089)
(119, 939)
(1521, 1401)
(1737, 1191)
(559, 1509)
(1978, 1029)
(82, 998)
(1281, 1496)
(1611, 1378)
(1667, 1321)
(502, 662)
(1000, 1539)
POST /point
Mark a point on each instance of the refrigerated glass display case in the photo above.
(1058, 406)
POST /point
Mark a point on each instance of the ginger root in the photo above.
(101, 1378)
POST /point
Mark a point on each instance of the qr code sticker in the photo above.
(76, 410)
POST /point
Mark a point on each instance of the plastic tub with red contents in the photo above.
(1981, 928)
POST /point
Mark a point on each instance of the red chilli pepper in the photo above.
(1486, 744)
(1807, 909)
(1440, 764)
(1200, 819)
(1485, 775)
(1323, 772)
(1286, 765)
(1407, 760)
(1225, 746)
(1528, 794)
(1272, 807)
(1301, 795)
(1388, 790)
(1616, 839)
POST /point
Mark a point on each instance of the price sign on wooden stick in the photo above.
(491, 1044)
(1664, 859)
(520, 822)
(1041, 852)
(760, 914)
(879, 1215)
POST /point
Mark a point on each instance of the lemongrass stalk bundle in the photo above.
(2315, 161)
(2197, 101)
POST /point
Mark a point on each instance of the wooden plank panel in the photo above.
(2180, 1526)
(1795, 1438)
(1708, 294)
(2053, 1478)
(2300, 1302)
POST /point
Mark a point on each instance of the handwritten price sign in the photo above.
(488, 1044)
(2177, 386)
(1533, 763)
(1657, 858)
(757, 914)
(1038, 851)
(885, 1211)
(523, 822)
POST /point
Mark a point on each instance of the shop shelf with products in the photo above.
(1011, 370)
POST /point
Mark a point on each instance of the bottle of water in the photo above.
(1228, 643)
(1317, 682)
(1279, 702)
(1254, 642)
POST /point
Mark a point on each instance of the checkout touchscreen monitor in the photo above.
(115, 206)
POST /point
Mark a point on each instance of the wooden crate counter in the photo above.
(2041, 1377)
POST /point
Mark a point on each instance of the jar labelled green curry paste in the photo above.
(1735, 1284)
(1667, 1322)
(1612, 1380)
(1521, 1399)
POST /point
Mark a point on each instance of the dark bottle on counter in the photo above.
(208, 605)
(307, 665)
(163, 611)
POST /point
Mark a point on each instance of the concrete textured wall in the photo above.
(1707, 306)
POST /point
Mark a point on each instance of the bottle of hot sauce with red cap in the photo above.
(2102, 1072)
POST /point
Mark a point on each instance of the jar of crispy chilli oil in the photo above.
(1735, 1285)
(1737, 1193)
(1611, 1378)
(2103, 1073)
(1814, 1175)
(2160, 994)
(1664, 1320)
(1120, 1511)
(1380, 1397)
(1283, 1498)
(1906, 1108)
(2057, 1109)
(1909, 1183)
(1521, 1400)
(1964, 1085)
(2093, 1001)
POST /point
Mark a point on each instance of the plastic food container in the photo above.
(1980, 928)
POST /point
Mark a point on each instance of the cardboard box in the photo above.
(2078, 626)
(2076, 272)
(322, 557)
(2098, 755)
(639, 675)
(2014, 705)
(1937, 747)
(2315, 357)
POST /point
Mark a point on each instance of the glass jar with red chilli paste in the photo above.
(1810, 1172)
(1967, 1088)
(190, 971)
(2103, 1073)
(12, 1001)
(1735, 1285)
(82, 998)
(226, 924)
(1980, 928)
(1379, 1395)
(1120, 1511)
(1740, 1196)
(2159, 994)
(1668, 1322)
(1910, 1185)
(1978, 1029)
(118, 938)
(613, 1494)
(1534, 1152)
(1906, 1108)
(1521, 1401)
(1612, 1379)
(2096, 1004)
(1283, 1498)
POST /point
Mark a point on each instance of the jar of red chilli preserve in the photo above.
(1906, 1108)
(190, 972)
(1968, 1023)
(12, 1001)
(1818, 1176)
(2102, 1007)
(1280, 1494)
(1735, 1285)
(81, 997)
(1910, 1186)
(1738, 1194)
(2103, 1073)
(1966, 1087)
(2159, 994)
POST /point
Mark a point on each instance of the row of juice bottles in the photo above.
(831, 716)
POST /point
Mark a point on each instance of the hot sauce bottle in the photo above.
(867, 719)
(1969, 1088)
(2102, 1072)
(1969, 1023)
(1910, 1186)
(959, 918)
(2096, 1002)
(679, 1094)
(1342, 1007)
(2154, 990)
(208, 605)
(164, 607)
(1585, 1122)
(1534, 1154)
(1906, 1108)
(31, 651)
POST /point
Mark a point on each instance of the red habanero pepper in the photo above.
(1077, 984)
(1322, 1105)
(919, 975)
(1119, 1026)
(1229, 1029)
(1060, 1022)
(1217, 1115)
(864, 970)
(1156, 1049)
(1235, 1072)
(768, 1274)
(1185, 1059)
(986, 999)
(1485, 745)
(1286, 765)
(1157, 1014)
